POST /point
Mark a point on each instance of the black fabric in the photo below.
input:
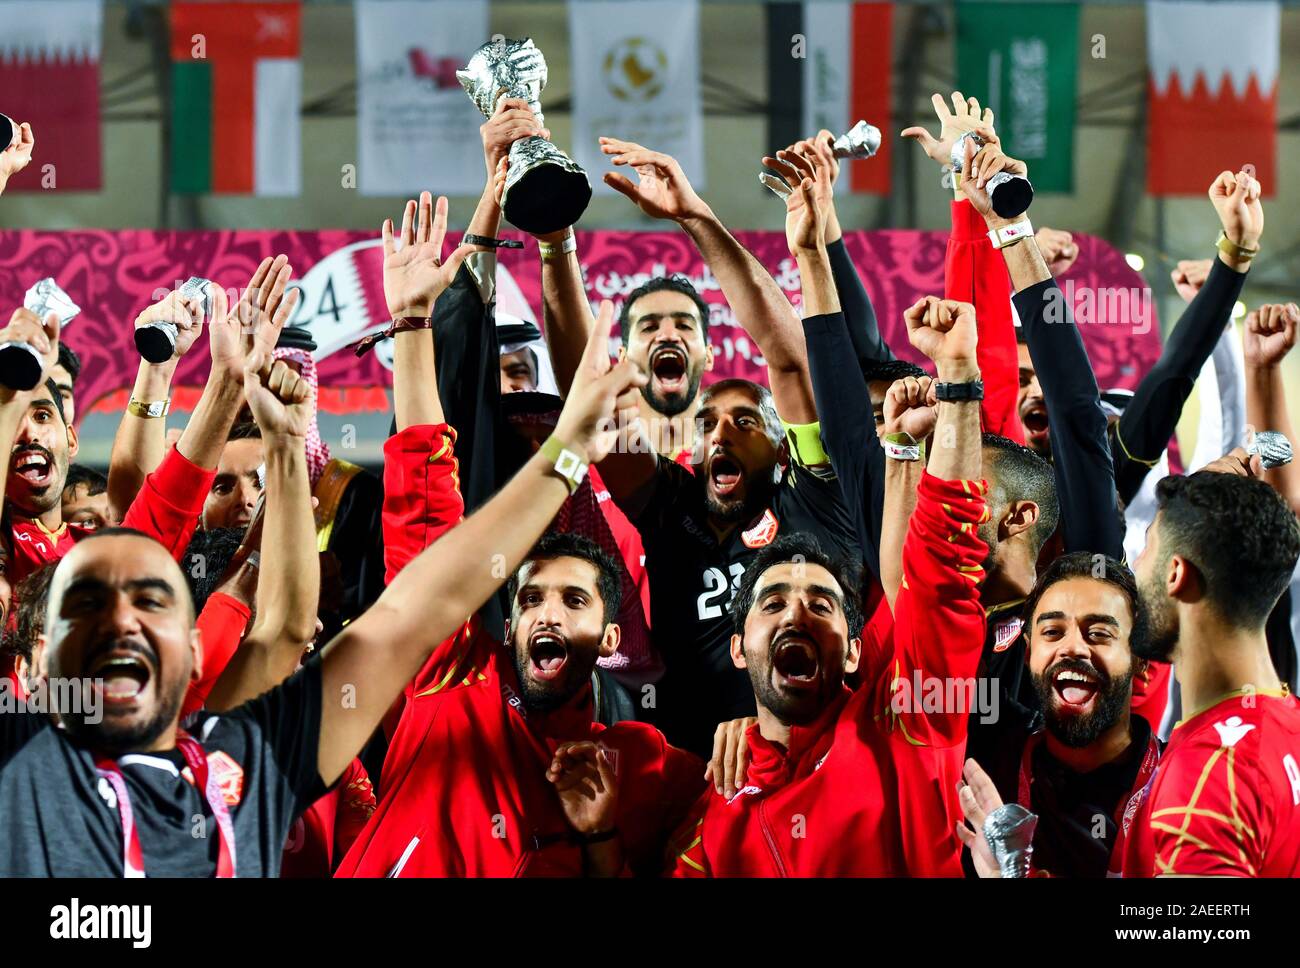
(693, 577)
(859, 315)
(1004, 662)
(612, 703)
(848, 428)
(56, 822)
(1281, 644)
(1151, 417)
(1081, 456)
(357, 542)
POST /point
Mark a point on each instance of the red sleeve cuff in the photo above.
(220, 600)
(182, 481)
(432, 439)
(968, 225)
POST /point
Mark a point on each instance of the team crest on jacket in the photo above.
(1005, 632)
(1232, 730)
(762, 533)
(228, 775)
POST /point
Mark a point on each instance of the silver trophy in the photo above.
(1273, 448)
(545, 189)
(156, 341)
(1010, 832)
(860, 141)
(8, 124)
(1010, 194)
(21, 366)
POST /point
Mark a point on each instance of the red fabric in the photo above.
(975, 272)
(870, 788)
(222, 624)
(170, 502)
(1223, 801)
(1151, 693)
(329, 827)
(422, 498)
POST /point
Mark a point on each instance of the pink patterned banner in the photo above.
(112, 276)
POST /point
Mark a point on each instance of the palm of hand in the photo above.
(413, 278)
(656, 195)
(799, 222)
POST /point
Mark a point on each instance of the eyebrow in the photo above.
(674, 315)
(87, 583)
(1092, 618)
(782, 588)
(567, 589)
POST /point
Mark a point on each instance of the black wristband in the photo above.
(599, 838)
(483, 240)
(958, 392)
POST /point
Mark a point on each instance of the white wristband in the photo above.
(901, 449)
(1010, 234)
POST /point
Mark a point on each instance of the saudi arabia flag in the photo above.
(236, 98)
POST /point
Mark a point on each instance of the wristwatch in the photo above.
(958, 392)
(1010, 234)
(568, 465)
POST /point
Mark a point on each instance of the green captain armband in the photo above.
(805, 442)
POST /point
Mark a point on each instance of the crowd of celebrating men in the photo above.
(824, 625)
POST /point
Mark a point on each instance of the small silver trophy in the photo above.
(1010, 832)
(156, 341)
(21, 366)
(1010, 194)
(8, 124)
(545, 189)
(1273, 448)
(860, 141)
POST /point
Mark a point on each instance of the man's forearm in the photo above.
(205, 435)
(486, 220)
(1266, 410)
(141, 442)
(566, 313)
(764, 313)
(11, 415)
(820, 297)
(902, 477)
(1025, 262)
(956, 453)
(415, 380)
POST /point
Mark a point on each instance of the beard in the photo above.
(545, 697)
(1112, 698)
(671, 404)
(758, 493)
(799, 709)
(118, 739)
(1162, 622)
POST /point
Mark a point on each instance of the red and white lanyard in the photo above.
(132, 855)
(1126, 807)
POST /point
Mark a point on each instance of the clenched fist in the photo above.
(911, 407)
(1270, 334)
(944, 330)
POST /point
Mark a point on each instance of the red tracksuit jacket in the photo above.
(870, 788)
(464, 789)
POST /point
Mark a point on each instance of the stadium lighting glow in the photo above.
(1135, 261)
(1239, 310)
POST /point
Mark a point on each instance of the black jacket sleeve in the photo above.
(859, 315)
(848, 429)
(1084, 470)
(1152, 415)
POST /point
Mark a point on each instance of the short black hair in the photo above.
(244, 431)
(81, 475)
(70, 361)
(569, 544)
(674, 283)
(1239, 534)
(1023, 476)
(803, 548)
(32, 596)
(206, 560)
(1097, 567)
(890, 370)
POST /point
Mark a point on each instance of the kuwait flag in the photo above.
(236, 98)
(1212, 93)
(829, 64)
(49, 77)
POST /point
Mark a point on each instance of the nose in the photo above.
(122, 617)
(249, 493)
(549, 614)
(1034, 389)
(1073, 646)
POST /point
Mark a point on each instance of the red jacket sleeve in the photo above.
(422, 499)
(169, 504)
(221, 624)
(976, 273)
(938, 620)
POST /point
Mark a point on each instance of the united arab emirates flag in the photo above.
(236, 98)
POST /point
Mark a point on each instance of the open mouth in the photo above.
(120, 677)
(34, 465)
(547, 655)
(1034, 418)
(795, 660)
(724, 474)
(668, 364)
(1076, 689)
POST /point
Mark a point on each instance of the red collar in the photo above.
(772, 765)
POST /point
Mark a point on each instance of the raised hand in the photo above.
(978, 798)
(513, 120)
(603, 399)
(281, 400)
(662, 189)
(182, 312)
(263, 305)
(1237, 461)
(17, 156)
(1057, 248)
(415, 275)
(1236, 199)
(1270, 334)
(964, 116)
(41, 335)
(806, 207)
(942, 329)
(910, 407)
(588, 790)
(981, 165)
(1189, 276)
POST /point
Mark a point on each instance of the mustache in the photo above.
(23, 449)
(1077, 665)
(139, 649)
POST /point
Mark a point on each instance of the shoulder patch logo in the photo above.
(763, 533)
(1232, 730)
(229, 776)
(1005, 632)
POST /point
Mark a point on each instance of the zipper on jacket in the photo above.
(771, 841)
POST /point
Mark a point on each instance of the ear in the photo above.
(72, 442)
(40, 666)
(738, 652)
(854, 657)
(1021, 516)
(708, 355)
(196, 653)
(1181, 579)
(609, 641)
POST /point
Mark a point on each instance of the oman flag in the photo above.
(49, 77)
(1212, 93)
(236, 98)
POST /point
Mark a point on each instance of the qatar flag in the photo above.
(1213, 93)
(49, 77)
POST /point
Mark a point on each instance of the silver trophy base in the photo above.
(1010, 194)
(21, 367)
(156, 342)
(545, 191)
